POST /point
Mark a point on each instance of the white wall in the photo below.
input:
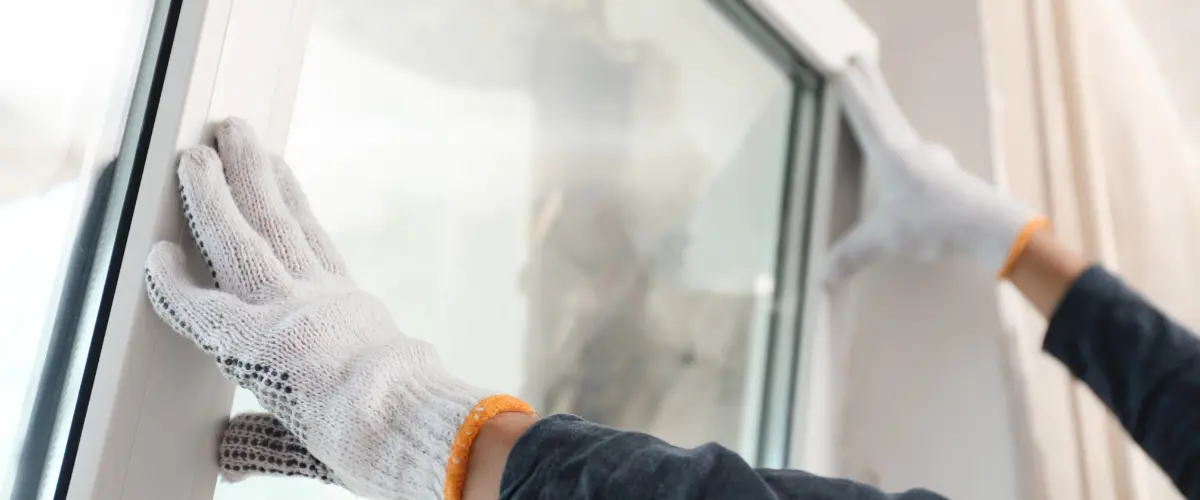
(926, 404)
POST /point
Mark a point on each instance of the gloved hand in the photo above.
(928, 206)
(287, 323)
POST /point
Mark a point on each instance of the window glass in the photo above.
(576, 202)
(69, 71)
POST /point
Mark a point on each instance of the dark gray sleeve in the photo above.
(564, 457)
(1143, 365)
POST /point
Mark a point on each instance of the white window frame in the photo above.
(828, 35)
(158, 405)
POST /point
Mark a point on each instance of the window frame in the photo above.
(157, 405)
(57, 393)
(827, 34)
(812, 42)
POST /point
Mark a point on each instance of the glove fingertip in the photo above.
(872, 238)
(195, 160)
(165, 261)
(837, 273)
(234, 123)
(235, 135)
(850, 256)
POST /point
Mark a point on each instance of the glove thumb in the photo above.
(258, 444)
(867, 242)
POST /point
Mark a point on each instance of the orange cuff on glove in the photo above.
(488, 408)
(1018, 247)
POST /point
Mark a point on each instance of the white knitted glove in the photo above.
(928, 206)
(288, 324)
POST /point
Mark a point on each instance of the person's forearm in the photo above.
(563, 457)
(1045, 270)
(1143, 365)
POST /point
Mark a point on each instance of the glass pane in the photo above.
(576, 204)
(70, 68)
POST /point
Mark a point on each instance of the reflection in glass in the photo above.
(576, 202)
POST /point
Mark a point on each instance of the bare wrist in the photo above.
(1045, 270)
(489, 452)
